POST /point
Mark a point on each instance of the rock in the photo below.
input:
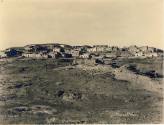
(28, 84)
(42, 109)
(71, 96)
(59, 93)
(59, 83)
(21, 109)
(51, 120)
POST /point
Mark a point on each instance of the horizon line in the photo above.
(57, 42)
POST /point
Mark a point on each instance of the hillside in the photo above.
(52, 91)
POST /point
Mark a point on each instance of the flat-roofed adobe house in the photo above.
(139, 54)
(58, 49)
(93, 49)
(75, 53)
(85, 55)
(66, 55)
(109, 49)
(54, 55)
(124, 49)
(147, 49)
(79, 48)
(110, 55)
(44, 55)
(134, 49)
(101, 48)
(125, 54)
(151, 54)
(160, 52)
(115, 48)
(146, 54)
(29, 55)
(35, 55)
(98, 48)
(67, 50)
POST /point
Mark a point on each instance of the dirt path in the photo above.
(139, 80)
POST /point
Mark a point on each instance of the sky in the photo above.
(79, 22)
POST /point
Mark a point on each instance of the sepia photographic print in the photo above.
(81, 61)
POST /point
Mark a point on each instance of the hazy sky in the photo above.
(113, 22)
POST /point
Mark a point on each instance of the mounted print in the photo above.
(81, 61)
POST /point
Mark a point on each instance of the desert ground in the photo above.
(54, 91)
